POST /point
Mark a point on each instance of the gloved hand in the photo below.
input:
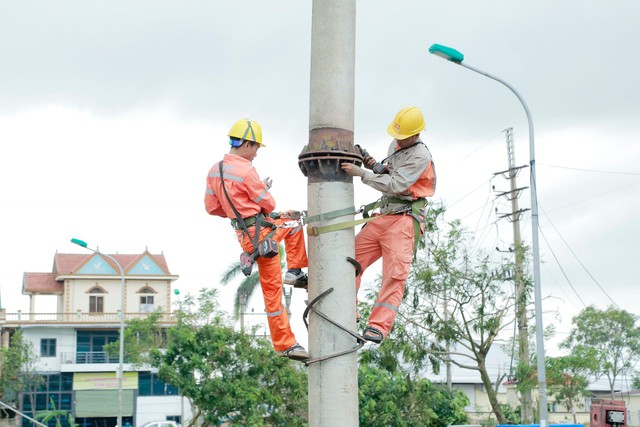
(268, 182)
(370, 163)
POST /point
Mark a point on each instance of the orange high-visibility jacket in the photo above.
(247, 192)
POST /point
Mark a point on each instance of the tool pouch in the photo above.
(268, 248)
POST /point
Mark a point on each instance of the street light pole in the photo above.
(456, 57)
(120, 372)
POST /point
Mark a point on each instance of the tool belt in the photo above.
(410, 207)
(251, 221)
(247, 221)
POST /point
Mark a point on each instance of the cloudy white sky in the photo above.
(111, 114)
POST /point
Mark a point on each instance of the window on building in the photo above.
(147, 300)
(48, 347)
(150, 385)
(55, 390)
(146, 304)
(90, 346)
(96, 302)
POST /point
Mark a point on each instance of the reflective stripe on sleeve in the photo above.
(261, 196)
(387, 305)
(275, 313)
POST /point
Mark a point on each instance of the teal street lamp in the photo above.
(120, 373)
(456, 57)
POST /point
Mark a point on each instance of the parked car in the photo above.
(163, 423)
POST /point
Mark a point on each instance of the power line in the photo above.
(470, 192)
(596, 196)
(483, 144)
(590, 170)
(579, 261)
(562, 269)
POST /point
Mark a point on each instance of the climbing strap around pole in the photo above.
(330, 215)
(317, 230)
(411, 208)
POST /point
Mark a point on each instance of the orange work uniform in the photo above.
(251, 196)
(411, 176)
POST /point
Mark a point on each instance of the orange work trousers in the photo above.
(270, 271)
(389, 237)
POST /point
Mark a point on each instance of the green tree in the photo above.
(60, 417)
(567, 377)
(456, 305)
(393, 398)
(140, 336)
(17, 373)
(615, 337)
(228, 374)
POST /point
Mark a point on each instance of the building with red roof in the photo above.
(69, 338)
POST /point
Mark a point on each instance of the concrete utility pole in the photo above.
(521, 293)
(333, 382)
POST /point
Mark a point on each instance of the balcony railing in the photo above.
(88, 357)
(78, 317)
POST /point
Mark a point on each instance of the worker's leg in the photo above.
(270, 272)
(271, 282)
(295, 248)
(397, 253)
(368, 251)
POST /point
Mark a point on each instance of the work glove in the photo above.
(370, 163)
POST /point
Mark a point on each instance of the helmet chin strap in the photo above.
(246, 132)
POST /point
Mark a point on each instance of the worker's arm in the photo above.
(259, 192)
(212, 204)
(403, 173)
(211, 200)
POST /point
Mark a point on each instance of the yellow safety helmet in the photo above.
(408, 122)
(247, 130)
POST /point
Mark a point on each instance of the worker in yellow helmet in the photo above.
(405, 177)
(234, 190)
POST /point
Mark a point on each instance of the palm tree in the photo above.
(248, 285)
(57, 415)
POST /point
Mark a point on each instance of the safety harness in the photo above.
(410, 207)
(267, 247)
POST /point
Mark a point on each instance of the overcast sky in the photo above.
(111, 114)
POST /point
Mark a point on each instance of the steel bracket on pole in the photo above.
(515, 171)
(360, 341)
(513, 194)
(327, 148)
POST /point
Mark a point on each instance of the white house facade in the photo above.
(79, 375)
